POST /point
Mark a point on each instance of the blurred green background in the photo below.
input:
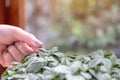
(75, 26)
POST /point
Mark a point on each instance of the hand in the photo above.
(15, 44)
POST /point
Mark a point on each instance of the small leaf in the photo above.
(62, 69)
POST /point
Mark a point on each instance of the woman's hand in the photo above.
(15, 44)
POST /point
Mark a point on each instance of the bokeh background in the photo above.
(75, 26)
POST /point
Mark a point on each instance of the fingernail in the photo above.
(38, 43)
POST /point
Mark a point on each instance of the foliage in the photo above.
(88, 38)
(54, 65)
(84, 24)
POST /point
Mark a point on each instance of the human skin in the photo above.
(15, 44)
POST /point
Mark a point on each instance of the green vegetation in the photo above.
(76, 25)
(54, 65)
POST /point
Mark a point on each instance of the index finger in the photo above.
(30, 39)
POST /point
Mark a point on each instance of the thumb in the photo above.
(30, 39)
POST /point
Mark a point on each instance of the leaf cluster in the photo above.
(54, 65)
